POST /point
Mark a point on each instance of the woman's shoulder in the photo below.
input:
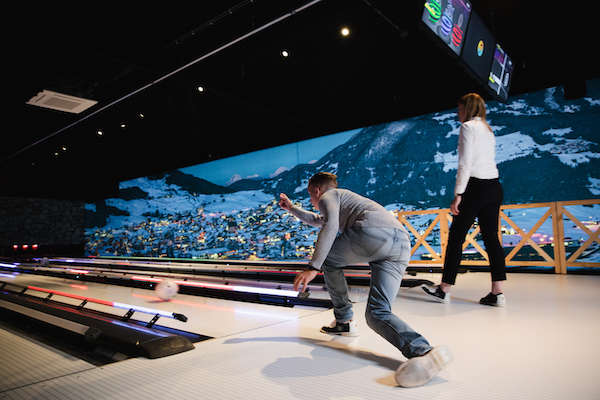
(475, 124)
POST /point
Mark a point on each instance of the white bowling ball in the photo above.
(166, 289)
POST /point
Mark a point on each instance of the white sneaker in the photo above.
(418, 371)
(341, 329)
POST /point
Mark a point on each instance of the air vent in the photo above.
(61, 102)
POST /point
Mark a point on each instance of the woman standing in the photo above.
(477, 194)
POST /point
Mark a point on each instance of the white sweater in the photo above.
(476, 154)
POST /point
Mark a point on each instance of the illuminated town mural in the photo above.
(548, 149)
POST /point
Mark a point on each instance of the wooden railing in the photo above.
(563, 251)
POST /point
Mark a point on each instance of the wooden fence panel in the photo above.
(556, 211)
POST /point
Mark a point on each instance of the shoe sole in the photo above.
(493, 305)
(350, 334)
(420, 370)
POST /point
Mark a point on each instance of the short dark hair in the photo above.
(323, 178)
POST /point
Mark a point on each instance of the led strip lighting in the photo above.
(185, 266)
(207, 285)
(115, 304)
(234, 288)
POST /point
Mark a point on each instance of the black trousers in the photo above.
(481, 200)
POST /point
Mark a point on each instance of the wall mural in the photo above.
(548, 149)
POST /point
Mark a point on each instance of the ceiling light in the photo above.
(64, 148)
(123, 126)
(285, 53)
(345, 31)
(141, 116)
(200, 89)
(99, 132)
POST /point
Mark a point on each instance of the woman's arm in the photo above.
(465, 158)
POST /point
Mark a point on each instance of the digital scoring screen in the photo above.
(479, 47)
(501, 73)
(448, 20)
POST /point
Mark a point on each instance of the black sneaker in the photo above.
(497, 300)
(438, 294)
(342, 329)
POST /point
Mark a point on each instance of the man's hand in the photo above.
(285, 202)
(303, 278)
(454, 205)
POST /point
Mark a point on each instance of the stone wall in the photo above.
(46, 222)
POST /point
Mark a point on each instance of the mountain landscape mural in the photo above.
(548, 149)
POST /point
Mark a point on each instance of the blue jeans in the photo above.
(387, 250)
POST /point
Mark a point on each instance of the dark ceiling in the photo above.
(139, 59)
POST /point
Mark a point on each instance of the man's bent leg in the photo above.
(386, 277)
(385, 283)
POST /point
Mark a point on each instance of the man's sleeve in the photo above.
(307, 217)
(330, 210)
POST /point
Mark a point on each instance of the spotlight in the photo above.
(345, 31)
(140, 115)
(123, 126)
(99, 132)
(285, 53)
(63, 148)
(200, 89)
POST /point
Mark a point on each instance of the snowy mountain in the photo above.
(547, 150)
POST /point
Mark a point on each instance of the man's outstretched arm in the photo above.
(303, 215)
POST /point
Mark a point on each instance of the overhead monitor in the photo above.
(479, 47)
(448, 20)
(501, 73)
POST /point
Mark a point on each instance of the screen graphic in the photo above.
(478, 49)
(501, 73)
(448, 20)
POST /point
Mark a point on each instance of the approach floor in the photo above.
(542, 345)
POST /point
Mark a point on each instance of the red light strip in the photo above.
(73, 296)
(82, 287)
(112, 303)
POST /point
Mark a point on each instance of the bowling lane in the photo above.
(206, 316)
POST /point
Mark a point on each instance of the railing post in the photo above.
(560, 260)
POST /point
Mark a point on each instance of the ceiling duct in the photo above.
(61, 102)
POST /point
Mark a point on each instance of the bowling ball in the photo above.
(166, 289)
